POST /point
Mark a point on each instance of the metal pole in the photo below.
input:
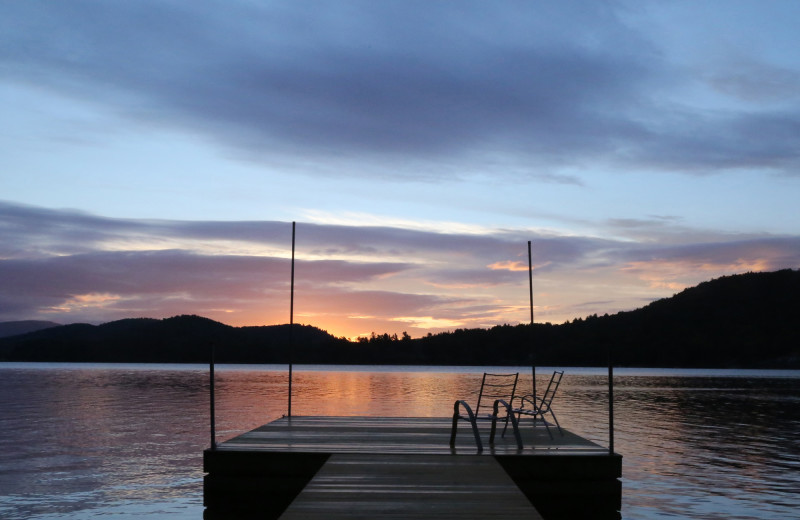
(533, 349)
(530, 278)
(610, 405)
(291, 325)
(211, 388)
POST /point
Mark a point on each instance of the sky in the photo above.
(154, 154)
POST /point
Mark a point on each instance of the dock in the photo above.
(409, 486)
(404, 468)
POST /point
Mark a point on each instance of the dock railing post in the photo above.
(610, 405)
(211, 397)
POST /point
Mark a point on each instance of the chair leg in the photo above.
(505, 427)
(509, 415)
(476, 433)
(495, 411)
(546, 426)
(556, 420)
(515, 427)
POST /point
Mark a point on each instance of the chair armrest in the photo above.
(470, 417)
(530, 399)
(497, 404)
(459, 403)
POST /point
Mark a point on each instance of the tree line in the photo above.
(747, 320)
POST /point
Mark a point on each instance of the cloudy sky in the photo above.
(153, 155)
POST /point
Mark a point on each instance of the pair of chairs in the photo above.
(499, 392)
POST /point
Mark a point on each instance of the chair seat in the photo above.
(488, 417)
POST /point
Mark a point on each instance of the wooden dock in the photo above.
(403, 467)
(353, 485)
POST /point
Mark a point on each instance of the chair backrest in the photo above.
(496, 386)
(550, 393)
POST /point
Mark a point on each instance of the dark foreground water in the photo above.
(126, 441)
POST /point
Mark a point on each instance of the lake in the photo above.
(84, 441)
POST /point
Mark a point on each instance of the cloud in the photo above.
(703, 142)
(68, 266)
(754, 81)
(441, 89)
(508, 266)
(772, 252)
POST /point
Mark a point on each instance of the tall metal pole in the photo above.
(533, 347)
(291, 325)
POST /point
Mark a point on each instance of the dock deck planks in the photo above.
(406, 487)
(408, 435)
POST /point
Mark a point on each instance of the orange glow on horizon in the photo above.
(409, 306)
(678, 275)
(508, 265)
(84, 301)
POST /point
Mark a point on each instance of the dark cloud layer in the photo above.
(775, 252)
(440, 83)
(29, 231)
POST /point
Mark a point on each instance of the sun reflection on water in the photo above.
(93, 441)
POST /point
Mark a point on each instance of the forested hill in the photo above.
(181, 339)
(747, 320)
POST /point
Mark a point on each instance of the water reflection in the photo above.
(724, 447)
(77, 441)
(92, 441)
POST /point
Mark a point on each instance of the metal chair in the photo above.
(539, 406)
(497, 390)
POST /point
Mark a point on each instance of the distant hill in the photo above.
(14, 328)
(743, 320)
(181, 339)
(747, 320)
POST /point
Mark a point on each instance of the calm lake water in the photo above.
(86, 441)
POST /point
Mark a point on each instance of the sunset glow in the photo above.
(152, 166)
